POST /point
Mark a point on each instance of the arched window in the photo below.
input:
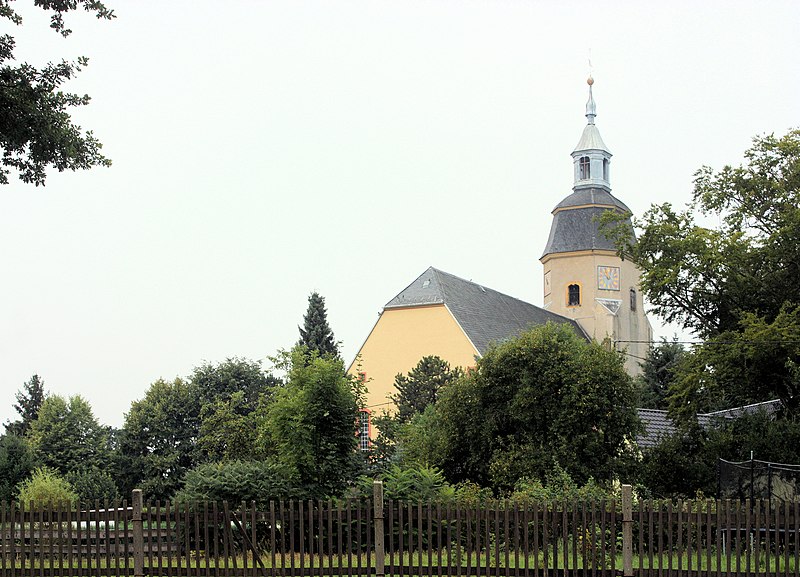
(584, 166)
(574, 295)
(605, 169)
(633, 299)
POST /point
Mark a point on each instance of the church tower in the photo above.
(584, 279)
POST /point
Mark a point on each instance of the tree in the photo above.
(678, 466)
(229, 429)
(383, 448)
(416, 391)
(36, 130)
(216, 383)
(420, 441)
(231, 396)
(316, 334)
(734, 285)
(66, 436)
(547, 396)
(658, 374)
(92, 484)
(312, 426)
(157, 444)
(180, 424)
(421, 386)
(16, 463)
(29, 401)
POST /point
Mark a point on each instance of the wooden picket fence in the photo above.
(385, 537)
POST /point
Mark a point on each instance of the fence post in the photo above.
(627, 531)
(138, 534)
(377, 490)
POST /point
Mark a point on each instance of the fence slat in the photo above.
(360, 533)
(699, 548)
(796, 533)
(565, 536)
(708, 537)
(515, 505)
(439, 538)
(757, 542)
(338, 528)
(370, 505)
(458, 540)
(679, 514)
(603, 528)
(785, 533)
(689, 559)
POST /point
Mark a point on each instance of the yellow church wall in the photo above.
(400, 338)
(627, 325)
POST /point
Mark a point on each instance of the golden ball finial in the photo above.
(590, 81)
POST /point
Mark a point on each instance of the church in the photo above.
(585, 285)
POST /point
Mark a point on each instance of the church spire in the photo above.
(591, 108)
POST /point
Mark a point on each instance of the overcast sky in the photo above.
(264, 150)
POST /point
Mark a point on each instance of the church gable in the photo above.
(444, 315)
(485, 315)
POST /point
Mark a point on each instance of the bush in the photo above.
(93, 484)
(559, 486)
(16, 464)
(44, 488)
(237, 481)
(410, 484)
(471, 494)
(678, 466)
(686, 462)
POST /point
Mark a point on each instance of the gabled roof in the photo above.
(658, 425)
(485, 315)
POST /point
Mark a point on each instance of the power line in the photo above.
(713, 342)
(633, 356)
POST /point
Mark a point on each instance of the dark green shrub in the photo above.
(93, 484)
(237, 481)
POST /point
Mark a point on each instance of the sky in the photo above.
(265, 150)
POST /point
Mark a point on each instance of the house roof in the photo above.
(658, 425)
(485, 315)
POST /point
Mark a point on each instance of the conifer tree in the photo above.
(421, 386)
(316, 334)
(29, 401)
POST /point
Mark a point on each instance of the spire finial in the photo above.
(591, 109)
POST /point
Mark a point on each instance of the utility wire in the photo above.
(712, 342)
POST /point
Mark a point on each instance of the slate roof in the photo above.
(576, 228)
(658, 425)
(597, 196)
(485, 315)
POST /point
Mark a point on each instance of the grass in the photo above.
(427, 563)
